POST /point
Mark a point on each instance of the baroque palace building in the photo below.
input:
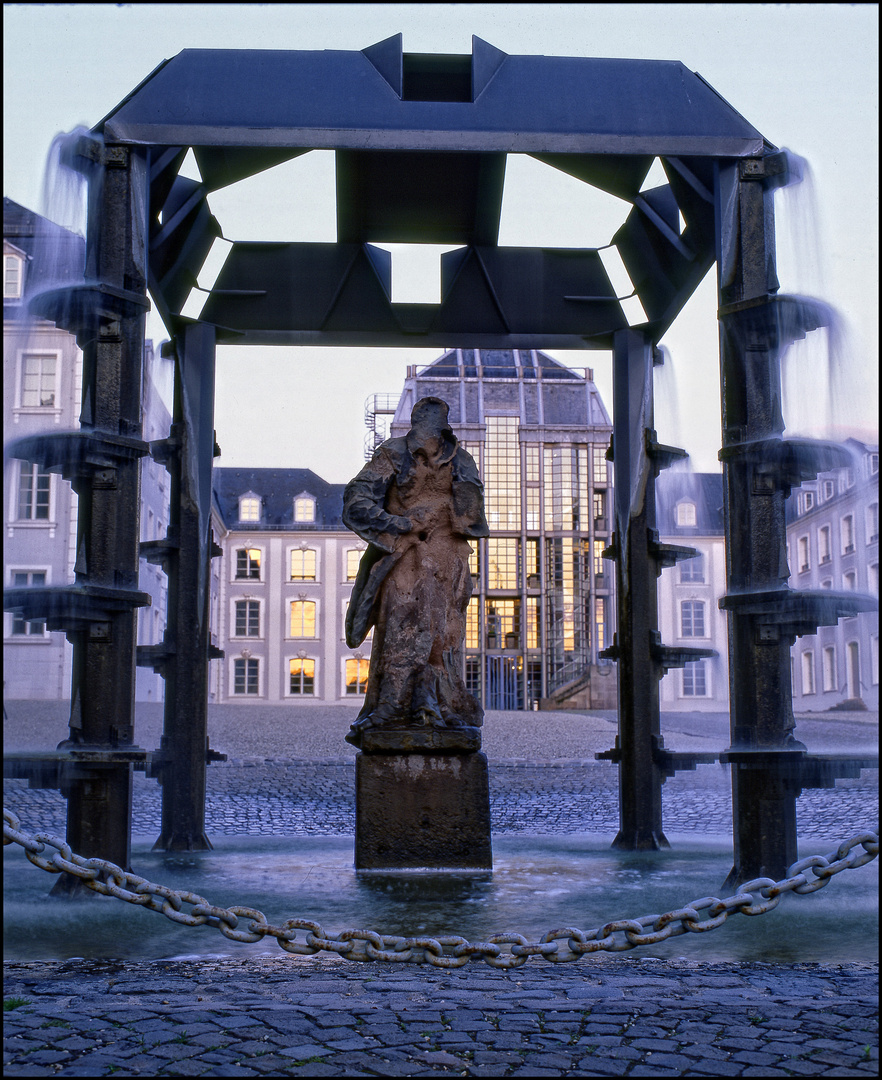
(542, 606)
(42, 390)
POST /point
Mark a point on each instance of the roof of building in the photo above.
(497, 364)
(54, 254)
(277, 490)
(705, 490)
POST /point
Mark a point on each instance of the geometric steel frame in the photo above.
(420, 143)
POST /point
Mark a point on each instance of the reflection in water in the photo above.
(538, 884)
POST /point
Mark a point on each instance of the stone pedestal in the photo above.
(415, 810)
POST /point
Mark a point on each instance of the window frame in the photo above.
(19, 260)
(694, 669)
(289, 675)
(252, 602)
(247, 661)
(303, 551)
(693, 605)
(683, 507)
(303, 499)
(360, 683)
(700, 580)
(15, 519)
(249, 497)
(235, 562)
(290, 630)
(11, 618)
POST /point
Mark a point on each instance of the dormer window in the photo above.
(13, 275)
(686, 514)
(249, 507)
(304, 508)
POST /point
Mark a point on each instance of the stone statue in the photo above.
(416, 503)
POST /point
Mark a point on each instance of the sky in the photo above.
(805, 75)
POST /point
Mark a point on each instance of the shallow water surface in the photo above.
(539, 883)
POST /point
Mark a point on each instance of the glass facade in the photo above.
(541, 590)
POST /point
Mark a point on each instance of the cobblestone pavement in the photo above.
(287, 797)
(331, 1017)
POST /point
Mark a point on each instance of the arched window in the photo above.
(303, 618)
(302, 564)
(356, 675)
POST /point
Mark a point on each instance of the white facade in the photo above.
(283, 585)
(690, 515)
(833, 542)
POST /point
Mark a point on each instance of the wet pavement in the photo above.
(660, 1011)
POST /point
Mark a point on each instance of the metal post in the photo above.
(763, 794)
(103, 684)
(640, 780)
(181, 761)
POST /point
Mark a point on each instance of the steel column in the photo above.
(112, 340)
(761, 711)
(180, 763)
(639, 738)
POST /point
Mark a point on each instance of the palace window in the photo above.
(22, 627)
(303, 618)
(808, 673)
(39, 373)
(13, 277)
(695, 679)
(247, 618)
(301, 677)
(829, 672)
(304, 508)
(249, 507)
(824, 549)
(353, 558)
(872, 522)
(686, 514)
(802, 557)
(847, 529)
(357, 675)
(34, 488)
(246, 675)
(302, 564)
(692, 618)
(692, 569)
(248, 563)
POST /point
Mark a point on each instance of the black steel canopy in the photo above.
(421, 144)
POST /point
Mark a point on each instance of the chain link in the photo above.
(563, 945)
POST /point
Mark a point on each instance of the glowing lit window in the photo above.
(503, 624)
(600, 622)
(302, 564)
(599, 561)
(473, 624)
(353, 558)
(304, 508)
(357, 675)
(502, 495)
(301, 677)
(532, 626)
(302, 618)
(502, 563)
(249, 508)
(562, 489)
(248, 563)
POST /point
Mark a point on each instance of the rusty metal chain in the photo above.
(558, 946)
